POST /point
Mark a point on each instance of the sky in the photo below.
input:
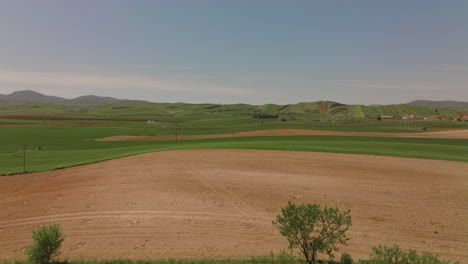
(242, 51)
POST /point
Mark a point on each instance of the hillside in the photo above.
(29, 96)
(34, 103)
(441, 104)
(307, 111)
(99, 100)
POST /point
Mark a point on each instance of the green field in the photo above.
(51, 147)
(255, 260)
(58, 144)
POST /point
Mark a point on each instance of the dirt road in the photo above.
(460, 134)
(220, 203)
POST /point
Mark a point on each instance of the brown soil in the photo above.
(460, 134)
(324, 107)
(55, 123)
(17, 124)
(220, 203)
(57, 118)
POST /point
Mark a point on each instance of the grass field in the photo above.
(52, 147)
(256, 260)
(53, 144)
(270, 259)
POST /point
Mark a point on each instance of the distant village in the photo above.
(461, 116)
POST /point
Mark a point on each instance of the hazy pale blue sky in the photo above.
(237, 51)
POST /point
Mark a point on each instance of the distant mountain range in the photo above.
(30, 102)
(439, 104)
(29, 96)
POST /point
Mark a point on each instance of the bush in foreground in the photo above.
(46, 245)
(395, 255)
(346, 258)
(313, 230)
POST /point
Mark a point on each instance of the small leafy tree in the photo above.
(46, 245)
(313, 230)
(346, 258)
(395, 255)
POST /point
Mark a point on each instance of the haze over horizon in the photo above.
(355, 52)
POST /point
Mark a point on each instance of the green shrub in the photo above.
(46, 245)
(395, 255)
(346, 258)
(313, 230)
(284, 257)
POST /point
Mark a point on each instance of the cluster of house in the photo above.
(151, 122)
(461, 117)
(440, 118)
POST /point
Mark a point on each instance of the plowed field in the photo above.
(220, 203)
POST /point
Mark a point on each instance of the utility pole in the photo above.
(176, 131)
(24, 158)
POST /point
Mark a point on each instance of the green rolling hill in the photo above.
(33, 103)
(185, 111)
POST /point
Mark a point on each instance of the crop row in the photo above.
(282, 107)
(336, 105)
(338, 110)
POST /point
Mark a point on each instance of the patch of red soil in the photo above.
(55, 123)
(84, 124)
(457, 134)
(220, 203)
(33, 117)
(17, 124)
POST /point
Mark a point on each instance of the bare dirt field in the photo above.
(457, 134)
(220, 203)
(17, 124)
(55, 123)
(57, 118)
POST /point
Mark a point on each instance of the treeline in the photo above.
(265, 116)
